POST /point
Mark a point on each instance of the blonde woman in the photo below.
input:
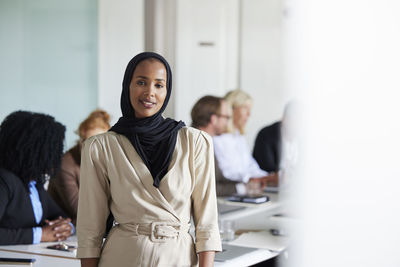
(232, 152)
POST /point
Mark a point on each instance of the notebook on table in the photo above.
(249, 198)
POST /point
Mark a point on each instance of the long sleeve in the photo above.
(9, 235)
(234, 158)
(43, 208)
(51, 209)
(21, 212)
(204, 200)
(94, 195)
(16, 236)
(37, 211)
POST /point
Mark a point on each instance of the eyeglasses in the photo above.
(223, 116)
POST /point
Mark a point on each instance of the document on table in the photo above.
(261, 239)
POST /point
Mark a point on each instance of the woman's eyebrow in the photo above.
(141, 77)
(146, 78)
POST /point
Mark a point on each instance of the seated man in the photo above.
(211, 114)
(232, 153)
(31, 145)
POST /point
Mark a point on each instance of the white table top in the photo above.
(247, 259)
(41, 249)
(271, 207)
(253, 215)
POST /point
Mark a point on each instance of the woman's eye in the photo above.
(160, 86)
(140, 82)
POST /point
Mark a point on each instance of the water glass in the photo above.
(227, 230)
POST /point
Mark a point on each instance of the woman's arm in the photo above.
(89, 262)
(206, 258)
(94, 195)
(204, 200)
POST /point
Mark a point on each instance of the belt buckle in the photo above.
(160, 239)
(154, 238)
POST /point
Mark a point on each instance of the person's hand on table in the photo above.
(255, 186)
(258, 184)
(272, 179)
(56, 230)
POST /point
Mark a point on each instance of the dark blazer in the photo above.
(267, 148)
(16, 212)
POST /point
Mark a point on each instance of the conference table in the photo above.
(247, 217)
(252, 224)
(44, 257)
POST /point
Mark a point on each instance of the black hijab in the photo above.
(154, 137)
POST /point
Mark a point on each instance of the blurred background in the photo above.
(340, 58)
(67, 58)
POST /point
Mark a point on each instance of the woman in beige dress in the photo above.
(153, 174)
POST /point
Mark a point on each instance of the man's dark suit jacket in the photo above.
(267, 148)
(16, 212)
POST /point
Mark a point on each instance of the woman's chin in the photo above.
(145, 113)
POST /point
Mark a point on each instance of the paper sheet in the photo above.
(261, 239)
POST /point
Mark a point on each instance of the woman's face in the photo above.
(241, 114)
(148, 88)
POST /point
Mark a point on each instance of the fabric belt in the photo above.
(158, 232)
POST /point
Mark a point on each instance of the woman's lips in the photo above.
(147, 104)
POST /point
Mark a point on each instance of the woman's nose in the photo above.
(150, 90)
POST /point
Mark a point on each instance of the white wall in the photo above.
(66, 59)
(48, 58)
(121, 36)
(262, 62)
(253, 64)
(247, 38)
(206, 51)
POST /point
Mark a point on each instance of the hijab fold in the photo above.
(154, 138)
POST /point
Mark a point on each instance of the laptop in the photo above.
(229, 252)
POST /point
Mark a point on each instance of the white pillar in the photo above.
(121, 36)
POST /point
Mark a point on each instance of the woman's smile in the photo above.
(147, 103)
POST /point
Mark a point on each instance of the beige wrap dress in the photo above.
(152, 224)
